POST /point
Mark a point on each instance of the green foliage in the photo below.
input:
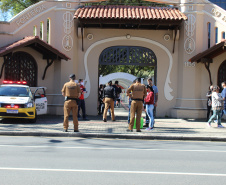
(139, 71)
(15, 6)
(126, 2)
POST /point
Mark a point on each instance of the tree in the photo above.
(15, 6)
(139, 71)
(3, 16)
(126, 2)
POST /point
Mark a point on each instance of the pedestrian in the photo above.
(118, 91)
(109, 97)
(155, 89)
(209, 102)
(217, 105)
(149, 101)
(118, 101)
(71, 91)
(81, 104)
(100, 99)
(138, 93)
(223, 94)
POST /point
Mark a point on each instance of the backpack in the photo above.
(150, 98)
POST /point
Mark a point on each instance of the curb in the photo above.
(115, 136)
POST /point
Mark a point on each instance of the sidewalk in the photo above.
(165, 129)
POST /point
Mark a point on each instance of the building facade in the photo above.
(64, 37)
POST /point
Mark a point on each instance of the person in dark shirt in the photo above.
(109, 97)
(100, 99)
(118, 91)
(209, 102)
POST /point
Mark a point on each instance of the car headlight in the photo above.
(29, 105)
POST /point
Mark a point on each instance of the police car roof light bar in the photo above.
(14, 82)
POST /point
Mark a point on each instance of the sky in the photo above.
(7, 16)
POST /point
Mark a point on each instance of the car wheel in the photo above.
(33, 120)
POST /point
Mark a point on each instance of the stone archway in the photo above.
(167, 89)
(221, 73)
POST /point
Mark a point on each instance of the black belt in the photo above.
(76, 99)
(137, 99)
(68, 98)
(109, 97)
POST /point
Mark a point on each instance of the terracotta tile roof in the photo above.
(210, 53)
(129, 12)
(36, 43)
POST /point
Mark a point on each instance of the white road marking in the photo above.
(113, 171)
(94, 148)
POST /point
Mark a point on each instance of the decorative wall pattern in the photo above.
(189, 44)
(67, 41)
(219, 14)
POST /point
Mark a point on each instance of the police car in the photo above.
(18, 101)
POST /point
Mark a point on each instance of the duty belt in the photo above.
(68, 98)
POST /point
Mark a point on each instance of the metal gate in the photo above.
(128, 55)
(21, 66)
(222, 73)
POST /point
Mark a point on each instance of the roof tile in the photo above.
(128, 12)
(27, 41)
(212, 52)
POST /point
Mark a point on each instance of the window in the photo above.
(209, 33)
(34, 30)
(216, 35)
(223, 35)
(41, 31)
(48, 30)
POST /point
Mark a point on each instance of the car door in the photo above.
(40, 100)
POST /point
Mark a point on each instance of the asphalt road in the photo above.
(75, 161)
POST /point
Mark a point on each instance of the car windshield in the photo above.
(14, 91)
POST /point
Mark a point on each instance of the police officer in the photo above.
(71, 91)
(138, 93)
(109, 97)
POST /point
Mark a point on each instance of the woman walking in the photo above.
(149, 101)
(217, 105)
